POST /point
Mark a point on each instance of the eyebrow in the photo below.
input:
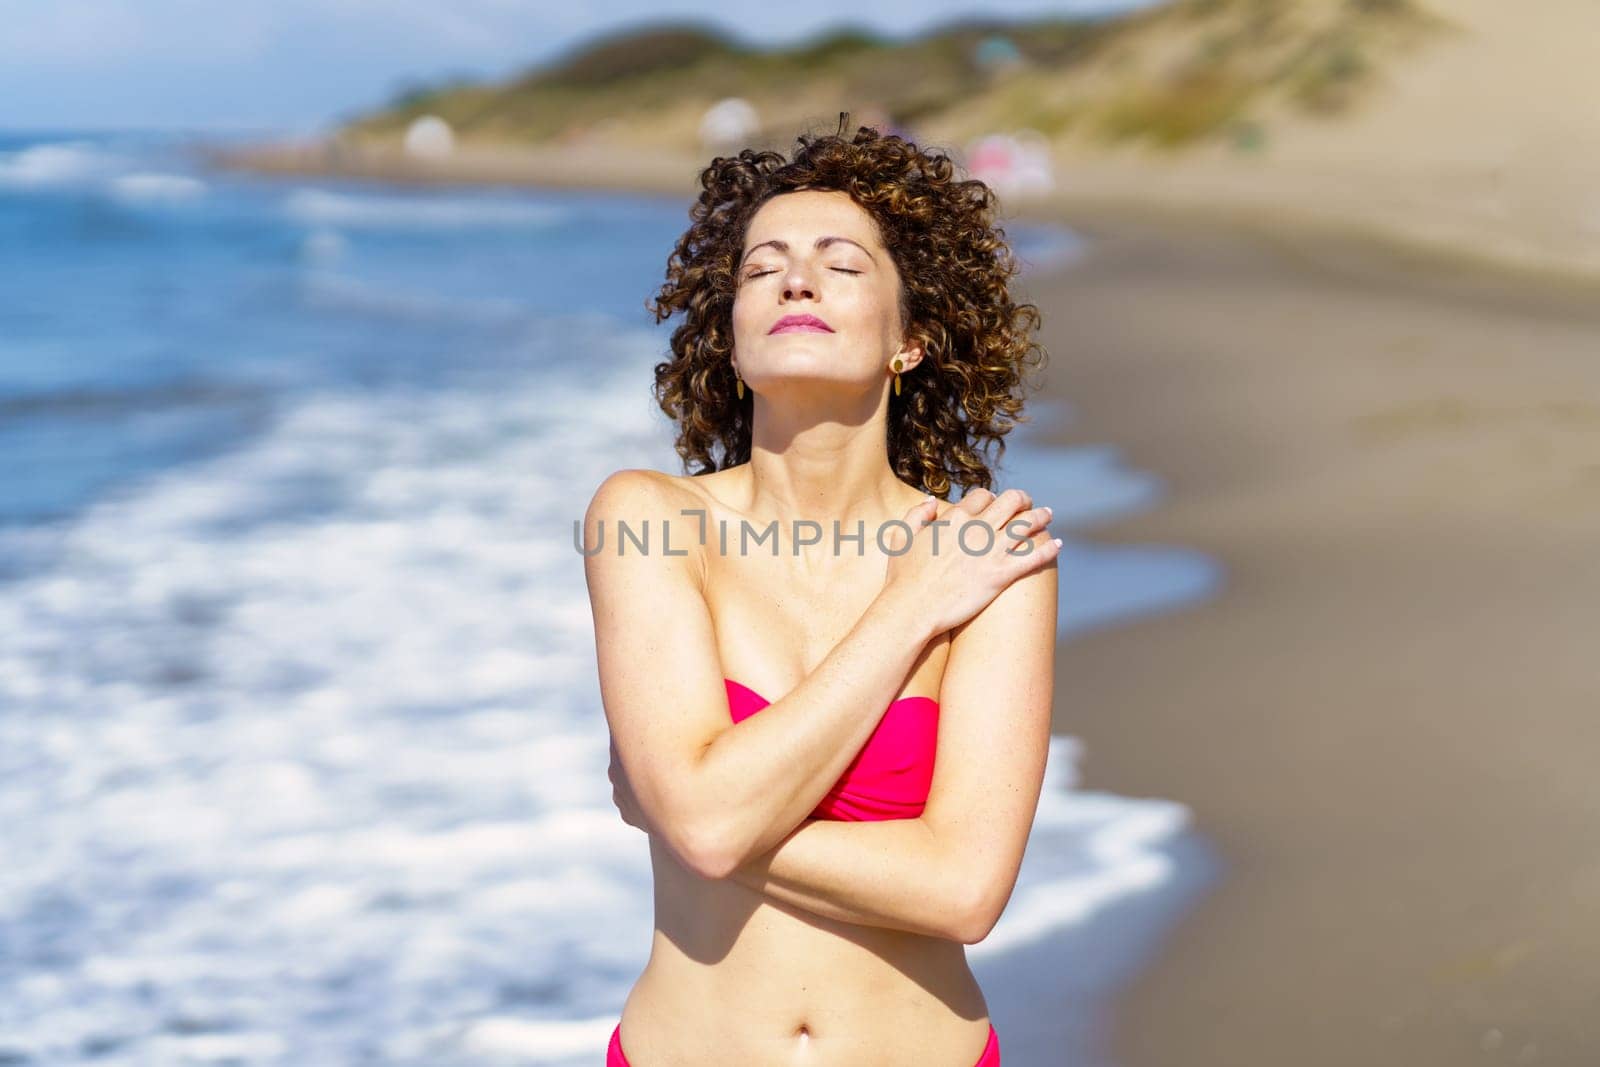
(822, 242)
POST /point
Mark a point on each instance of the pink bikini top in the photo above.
(890, 776)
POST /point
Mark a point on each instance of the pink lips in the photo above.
(800, 324)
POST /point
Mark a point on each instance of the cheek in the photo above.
(741, 315)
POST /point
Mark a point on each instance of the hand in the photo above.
(952, 575)
(622, 792)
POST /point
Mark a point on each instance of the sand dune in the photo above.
(1484, 142)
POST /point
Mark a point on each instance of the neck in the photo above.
(822, 469)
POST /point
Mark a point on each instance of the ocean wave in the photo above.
(321, 288)
(306, 745)
(418, 212)
(143, 187)
(55, 163)
(287, 702)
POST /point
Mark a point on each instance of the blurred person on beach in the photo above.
(849, 347)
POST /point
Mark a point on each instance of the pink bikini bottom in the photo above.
(990, 1057)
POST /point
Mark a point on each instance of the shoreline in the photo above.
(1382, 721)
(1090, 194)
(1379, 720)
(573, 167)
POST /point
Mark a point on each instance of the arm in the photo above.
(950, 871)
(720, 792)
(889, 874)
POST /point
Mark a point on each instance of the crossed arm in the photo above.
(950, 871)
(890, 873)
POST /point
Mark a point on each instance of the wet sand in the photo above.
(1387, 722)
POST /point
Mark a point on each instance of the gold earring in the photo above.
(898, 365)
(738, 384)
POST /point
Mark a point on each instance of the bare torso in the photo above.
(735, 976)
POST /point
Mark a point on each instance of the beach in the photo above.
(1385, 721)
(1382, 721)
(297, 686)
(370, 427)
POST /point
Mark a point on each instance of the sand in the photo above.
(596, 166)
(1388, 720)
(1481, 142)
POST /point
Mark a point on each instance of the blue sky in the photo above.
(300, 65)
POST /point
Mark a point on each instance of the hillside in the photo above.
(1457, 126)
(1169, 76)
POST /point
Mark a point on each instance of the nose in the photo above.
(797, 282)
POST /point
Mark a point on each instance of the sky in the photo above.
(302, 66)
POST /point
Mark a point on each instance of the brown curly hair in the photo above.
(954, 265)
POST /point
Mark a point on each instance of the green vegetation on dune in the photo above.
(1168, 75)
(634, 54)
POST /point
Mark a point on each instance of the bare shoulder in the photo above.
(636, 510)
(1025, 610)
(634, 486)
(625, 490)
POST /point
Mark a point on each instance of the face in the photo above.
(848, 287)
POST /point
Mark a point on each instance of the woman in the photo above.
(848, 341)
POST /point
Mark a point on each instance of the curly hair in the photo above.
(954, 265)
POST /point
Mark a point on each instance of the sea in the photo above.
(302, 756)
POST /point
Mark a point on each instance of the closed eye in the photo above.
(764, 273)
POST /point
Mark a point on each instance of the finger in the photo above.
(1005, 506)
(922, 512)
(1027, 522)
(975, 500)
(917, 516)
(1030, 544)
(1043, 550)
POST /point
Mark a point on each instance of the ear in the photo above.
(911, 353)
